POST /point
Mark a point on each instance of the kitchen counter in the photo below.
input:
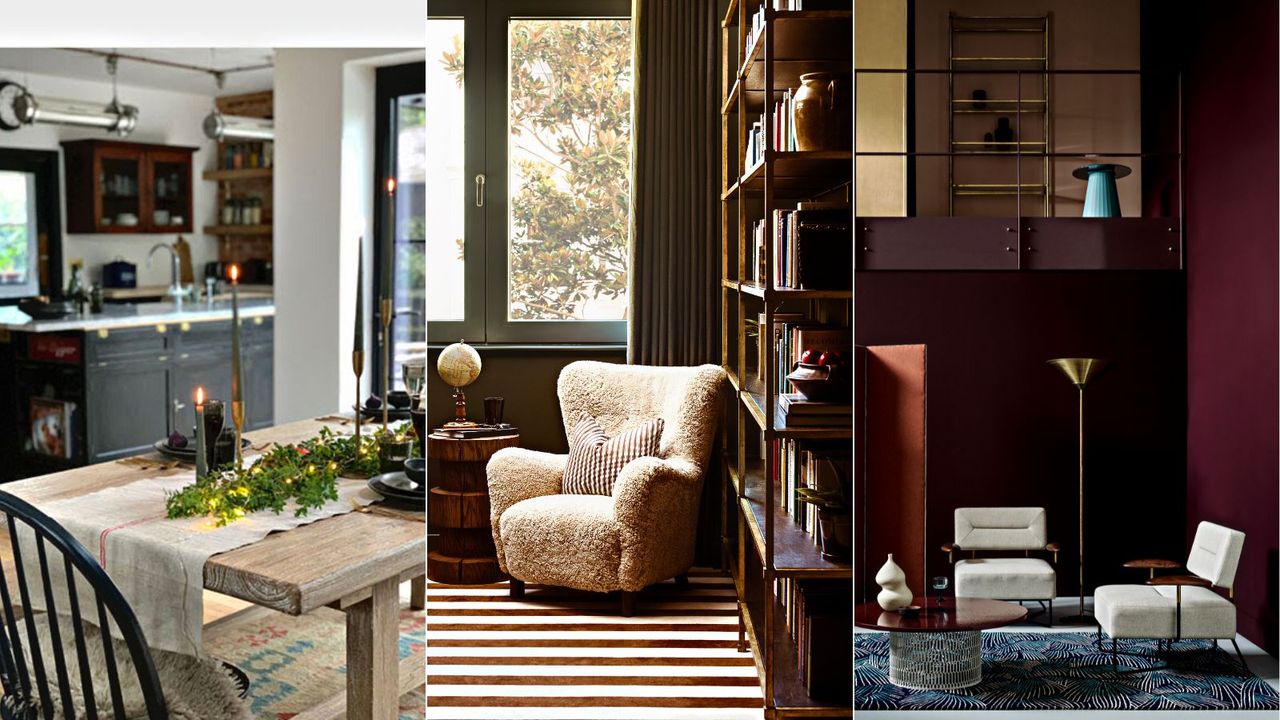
(140, 315)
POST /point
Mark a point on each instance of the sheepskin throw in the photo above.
(595, 459)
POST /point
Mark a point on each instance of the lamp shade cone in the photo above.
(1079, 370)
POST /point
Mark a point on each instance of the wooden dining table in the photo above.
(354, 562)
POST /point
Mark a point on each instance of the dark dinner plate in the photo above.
(187, 453)
(392, 413)
(396, 487)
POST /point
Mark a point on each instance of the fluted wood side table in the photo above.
(460, 541)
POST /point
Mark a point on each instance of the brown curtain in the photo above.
(674, 288)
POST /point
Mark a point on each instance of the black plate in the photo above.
(396, 488)
(392, 413)
(187, 453)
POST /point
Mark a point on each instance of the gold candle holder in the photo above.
(357, 366)
(237, 418)
(386, 360)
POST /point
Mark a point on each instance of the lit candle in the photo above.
(388, 235)
(234, 273)
(237, 399)
(202, 461)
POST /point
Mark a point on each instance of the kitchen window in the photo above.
(30, 258)
(528, 181)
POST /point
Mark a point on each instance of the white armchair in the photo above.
(646, 530)
(1178, 607)
(1004, 530)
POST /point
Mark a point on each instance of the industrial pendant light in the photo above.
(235, 127)
(19, 107)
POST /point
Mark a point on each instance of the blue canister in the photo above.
(1101, 198)
(119, 274)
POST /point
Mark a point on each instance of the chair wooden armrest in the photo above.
(949, 549)
(1053, 547)
(1180, 580)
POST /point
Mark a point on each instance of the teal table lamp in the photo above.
(1101, 199)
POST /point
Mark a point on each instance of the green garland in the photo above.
(306, 473)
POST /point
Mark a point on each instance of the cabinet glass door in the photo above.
(169, 191)
(120, 185)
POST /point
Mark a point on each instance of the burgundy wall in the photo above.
(1002, 423)
(1232, 318)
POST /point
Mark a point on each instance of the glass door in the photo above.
(120, 190)
(400, 224)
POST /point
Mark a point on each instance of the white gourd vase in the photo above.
(895, 593)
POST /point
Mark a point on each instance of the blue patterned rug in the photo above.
(1066, 671)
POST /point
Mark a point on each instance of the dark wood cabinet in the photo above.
(130, 387)
(123, 187)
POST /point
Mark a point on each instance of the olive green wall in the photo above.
(527, 379)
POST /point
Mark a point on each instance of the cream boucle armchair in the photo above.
(641, 534)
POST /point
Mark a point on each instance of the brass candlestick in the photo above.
(386, 359)
(237, 418)
(357, 366)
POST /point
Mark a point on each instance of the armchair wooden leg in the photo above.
(682, 580)
(517, 588)
(628, 603)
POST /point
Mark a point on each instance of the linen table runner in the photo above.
(158, 563)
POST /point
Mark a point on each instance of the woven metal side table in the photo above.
(935, 661)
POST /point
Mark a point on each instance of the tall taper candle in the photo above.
(237, 399)
(202, 461)
(357, 348)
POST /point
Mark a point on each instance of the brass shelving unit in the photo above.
(762, 543)
(1029, 66)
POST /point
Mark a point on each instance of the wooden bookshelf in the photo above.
(763, 543)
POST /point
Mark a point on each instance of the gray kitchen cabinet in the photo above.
(127, 405)
(136, 377)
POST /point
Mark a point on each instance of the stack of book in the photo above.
(807, 466)
(810, 245)
(819, 619)
(802, 412)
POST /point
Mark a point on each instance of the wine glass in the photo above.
(940, 583)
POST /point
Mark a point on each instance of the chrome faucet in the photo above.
(175, 290)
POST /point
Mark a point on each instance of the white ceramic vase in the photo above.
(895, 593)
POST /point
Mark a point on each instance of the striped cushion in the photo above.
(595, 459)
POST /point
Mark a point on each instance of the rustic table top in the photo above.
(294, 571)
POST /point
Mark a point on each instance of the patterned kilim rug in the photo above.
(1066, 671)
(295, 663)
(560, 654)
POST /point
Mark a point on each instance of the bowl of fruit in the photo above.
(821, 376)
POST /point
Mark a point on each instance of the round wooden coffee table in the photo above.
(460, 547)
(941, 647)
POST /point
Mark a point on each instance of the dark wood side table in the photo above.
(461, 551)
(1152, 565)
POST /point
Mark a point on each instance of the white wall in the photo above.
(165, 117)
(323, 203)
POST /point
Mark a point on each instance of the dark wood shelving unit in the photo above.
(763, 544)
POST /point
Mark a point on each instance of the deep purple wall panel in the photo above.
(1232, 318)
(1002, 423)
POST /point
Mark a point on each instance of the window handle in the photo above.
(480, 190)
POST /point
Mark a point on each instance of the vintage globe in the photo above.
(459, 364)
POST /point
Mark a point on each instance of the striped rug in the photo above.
(560, 654)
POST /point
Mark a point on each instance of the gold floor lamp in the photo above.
(1080, 371)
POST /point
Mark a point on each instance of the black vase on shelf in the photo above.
(1003, 134)
(979, 99)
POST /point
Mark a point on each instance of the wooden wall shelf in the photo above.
(237, 229)
(241, 174)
